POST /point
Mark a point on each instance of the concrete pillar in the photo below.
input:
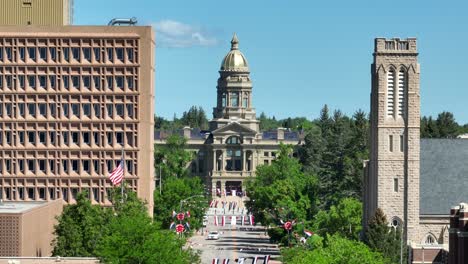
(187, 131)
(280, 133)
(223, 163)
(223, 187)
(244, 160)
(214, 167)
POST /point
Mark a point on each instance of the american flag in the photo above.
(116, 176)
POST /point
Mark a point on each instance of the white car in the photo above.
(213, 235)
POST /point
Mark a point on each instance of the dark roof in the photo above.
(195, 133)
(288, 135)
(444, 175)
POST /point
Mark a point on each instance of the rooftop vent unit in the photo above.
(123, 21)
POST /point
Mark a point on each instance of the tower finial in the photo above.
(234, 42)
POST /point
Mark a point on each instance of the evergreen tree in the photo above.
(446, 125)
(383, 238)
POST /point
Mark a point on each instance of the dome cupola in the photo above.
(235, 61)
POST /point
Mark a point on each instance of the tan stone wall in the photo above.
(37, 227)
(35, 12)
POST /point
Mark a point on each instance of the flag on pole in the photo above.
(188, 213)
(187, 225)
(308, 233)
(251, 218)
(216, 220)
(215, 261)
(226, 261)
(243, 220)
(172, 226)
(174, 213)
(266, 259)
(223, 220)
(241, 261)
(116, 176)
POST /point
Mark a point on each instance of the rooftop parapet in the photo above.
(395, 45)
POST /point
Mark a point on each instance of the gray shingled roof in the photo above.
(444, 175)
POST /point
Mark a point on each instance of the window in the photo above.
(1, 81)
(401, 92)
(430, 240)
(53, 53)
(390, 92)
(130, 110)
(52, 109)
(86, 137)
(65, 194)
(75, 137)
(76, 53)
(233, 140)
(245, 101)
(97, 54)
(130, 54)
(43, 109)
(31, 137)
(52, 165)
(97, 82)
(65, 166)
(76, 82)
(87, 54)
(76, 109)
(42, 165)
(9, 54)
(42, 81)
(97, 110)
(32, 53)
(31, 193)
(110, 109)
(402, 143)
(8, 137)
(129, 166)
(120, 54)
(234, 99)
(120, 82)
(21, 165)
(96, 166)
(87, 110)
(8, 166)
(21, 109)
(42, 193)
(1, 53)
(223, 100)
(52, 136)
(396, 222)
(85, 165)
(42, 137)
(129, 138)
(119, 138)
(75, 165)
(32, 81)
(110, 54)
(65, 110)
(31, 166)
(21, 137)
(66, 54)
(266, 154)
(52, 193)
(130, 82)
(22, 53)
(66, 82)
(395, 184)
(110, 82)
(8, 109)
(52, 81)
(43, 53)
(87, 82)
(65, 137)
(32, 109)
(8, 80)
(109, 138)
(390, 143)
(119, 109)
(96, 138)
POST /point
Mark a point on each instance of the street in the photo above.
(234, 241)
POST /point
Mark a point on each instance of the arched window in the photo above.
(234, 99)
(395, 223)
(223, 100)
(390, 92)
(401, 92)
(430, 239)
(245, 100)
(234, 140)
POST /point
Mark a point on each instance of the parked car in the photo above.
(213, 235)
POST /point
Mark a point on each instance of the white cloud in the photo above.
(174, 34)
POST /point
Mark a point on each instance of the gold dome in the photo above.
(235, 60)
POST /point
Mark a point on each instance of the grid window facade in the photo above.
(77, 99)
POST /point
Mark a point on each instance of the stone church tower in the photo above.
(392, 173)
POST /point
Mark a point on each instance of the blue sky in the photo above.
(302, 54)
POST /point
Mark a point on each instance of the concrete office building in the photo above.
(36, 12)
(228, 153)
(72, 100)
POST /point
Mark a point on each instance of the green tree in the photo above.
(172, 158)
(343, 219)
(336, 250)
(446, 125)
(174, 191)
(282, 191)
(195, 117)
(79, 228)
(383, 238)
